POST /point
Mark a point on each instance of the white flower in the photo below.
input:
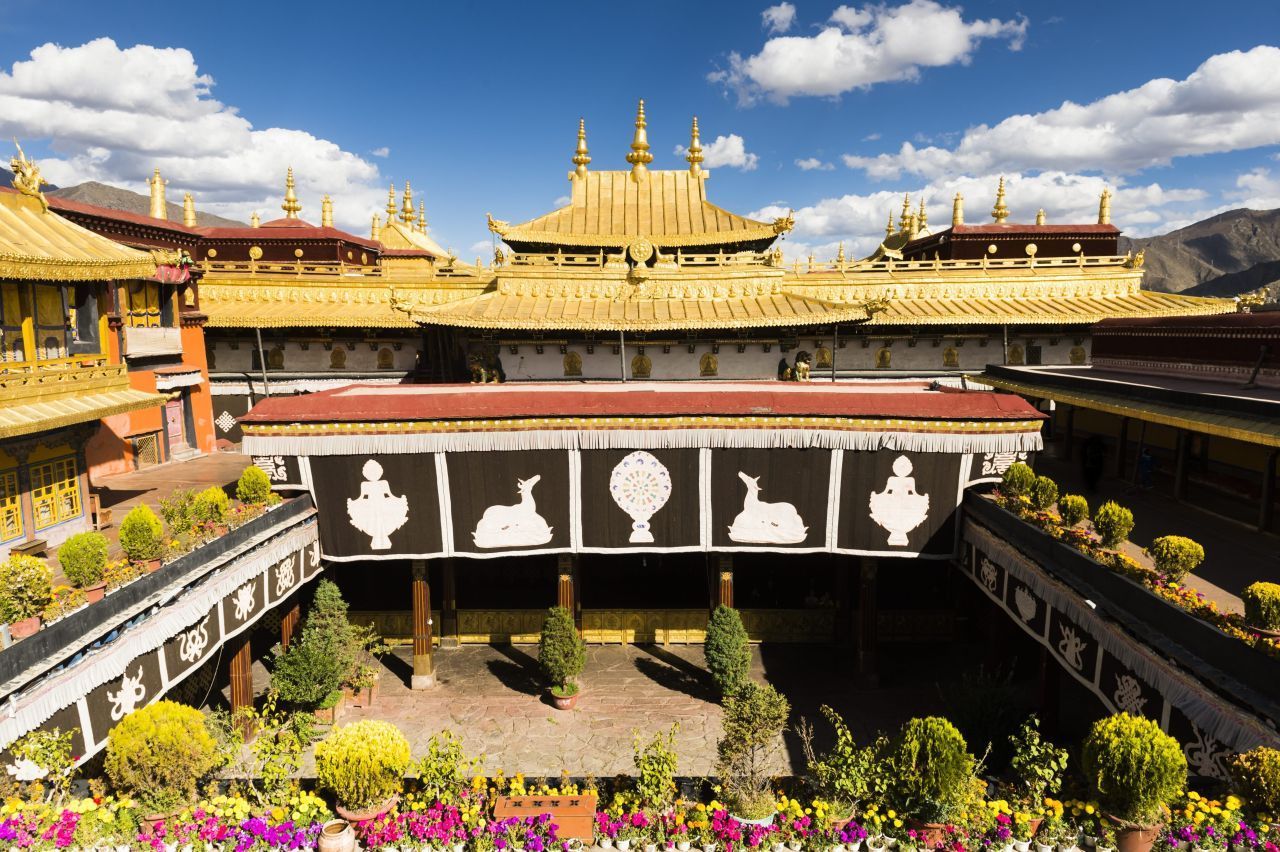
(26, 770)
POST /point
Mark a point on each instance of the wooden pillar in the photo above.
(240, 671)
(1181, 451)
(289, 623)
(424, 672)
(449, 606)
(868, 671)
(567, 586)
(724, 565)
(1122, 446)
(1266, 507)
(1068, 432)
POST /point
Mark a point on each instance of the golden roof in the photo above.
(37, 244)
(396, 235)
(51, 397)
(1075, 310)
(613, 209)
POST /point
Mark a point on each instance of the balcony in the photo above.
(65, 391)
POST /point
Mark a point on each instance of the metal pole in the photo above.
(835, 347)
(262, 362)
(1006, 344)
(622, 355)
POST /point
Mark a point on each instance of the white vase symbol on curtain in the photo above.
(765, 523)
(513, 526)
(376, 512)
(898, 508)
(640, 485)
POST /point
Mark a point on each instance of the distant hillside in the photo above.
(1225, 255)
(115, 198)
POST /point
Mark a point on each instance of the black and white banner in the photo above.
(500, 503)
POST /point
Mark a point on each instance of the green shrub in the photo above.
(83, 558)
(253, 487)
(755, 716)
(1132, 767)
(1073, 508)
(1037, 763)
(727, 650)
(362, 764)
(158, 755)
(1017, 480)
(930, 769)
(1256, 775)
(845, 775)
(1044, 493)
(1262, 605)
(26, 587)
(141, 534)
(1175, 556)
(1113, 523)
(561, 653)
(445, 771)
(178, 511)
(210, 506)
(656, 767)
(324, 655)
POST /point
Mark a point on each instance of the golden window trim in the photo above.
(12, 525)
(61, 494)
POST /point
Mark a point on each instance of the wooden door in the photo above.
(173, 423)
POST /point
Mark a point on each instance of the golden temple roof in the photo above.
(51, 397)
(1074, 310)
(36, 244)
(396, 235)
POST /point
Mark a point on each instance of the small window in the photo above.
(55, 491)
(10, 506)
(84, 321)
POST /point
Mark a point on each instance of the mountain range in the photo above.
(115, 198)
(1225, 255)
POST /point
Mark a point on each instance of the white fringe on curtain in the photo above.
(26, 711)
(642, 439)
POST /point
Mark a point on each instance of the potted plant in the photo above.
(842, 776)
(727, 650)
(1255, 774)
(83, 558)
(561, 654)
(1262, 608)
(26, 588)
(178, 511)
(1106, 839)
(930, 773)
(1073, 509)
(1037, 764)
(1175, 556)
(1134, 769)
(755, 716)
(209, 510)
(158, 754)
(363, 765)
(254, 486)
(656, 765)
(142, 537)
(1113, 523)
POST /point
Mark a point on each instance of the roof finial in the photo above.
(580, 156)
(888, 226)
(188, 210)
(422, 216)
(159, 210)
(1104, 207)
(1001, 211)
(391, 203)
(913, 226)
(375, 229)
(695, 150)
(957, 210)
(406, 210)
(922, 218)
(255, 221)
(326, 212)
(640, 158)
(906, 212)
(1040, 217)
(291, 207)
(840, 253)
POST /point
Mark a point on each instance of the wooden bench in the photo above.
(34, 547)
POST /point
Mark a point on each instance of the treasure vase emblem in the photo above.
(898, 508)
(640, 485)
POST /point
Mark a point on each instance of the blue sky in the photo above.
(478, 104)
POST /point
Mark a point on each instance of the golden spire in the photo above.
(406, 210)
(957, 210)
(422, 216)
(1040, 217)
(922, 218)
(840, 253)
(1104, 207)
(391, 203)
(254, 220)
(1001, 211)
(906, 212)
(580, 156)
(326, 212)
(695, 150)
(159, 210)
(888, 227)
(375, 229)
(188, 210)
(913, 226)
(640, 158)
(291, 207)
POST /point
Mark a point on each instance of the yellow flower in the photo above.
(897, 823)
(892, 814)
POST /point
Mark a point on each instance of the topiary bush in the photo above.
(1044, 493)
(210, 506)
(83, 558)
(727, 650)
(362, 764)
(1113, 523)
(1132, 767)
(1017, 480)
(755, 715)
(1262, 605)
(1256, 776)
(157, 755)
(141, 534)
(254, 486)
(931, 770)
(26, 587)
(1073, 508)
(561, 653)
(1175, 556)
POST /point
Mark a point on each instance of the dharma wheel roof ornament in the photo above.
(291, 206)
(27, 178)
(581, 157)
(694, 155)
(640, 158)
(1001, 211)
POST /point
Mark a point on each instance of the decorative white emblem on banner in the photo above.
(995, 464)
(1070, 647)
(191, 643)
(128, 697)
(313, 555)
(990, 575)
(225, 421)
(1128, 695)
(1026, 604)
(376, 512)
(640, 485)
(273, 467)
(513, 526)
(245, 600)
(284, 576)
(899, 509)
(1206, 755)
(765, 523)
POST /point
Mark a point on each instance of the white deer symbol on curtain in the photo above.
(519, 525)
(765, 523)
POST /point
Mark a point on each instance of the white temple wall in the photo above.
(315, 358)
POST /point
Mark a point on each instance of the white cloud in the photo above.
(482, 249)
(561, 201)
(384, 151)
(811, 164)
(871, 137)
(729, 151)
(862, 47)
(1230, 103)
(1257, 190)
(778, 19)
(114, 114)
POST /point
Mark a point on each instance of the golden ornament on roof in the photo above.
(580, 155)
(26, 176)
(1001, 211)
(291, 205)
(640, 250)
(640, 158)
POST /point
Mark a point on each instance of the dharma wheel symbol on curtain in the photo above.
(640, 485)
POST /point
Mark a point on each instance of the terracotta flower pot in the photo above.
(148, 822)
(1134, 838)
(930, 832)
(566, 702)
(152, 565)
(366, 814)
(24, 628)
(93, 594)
(336, 835)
